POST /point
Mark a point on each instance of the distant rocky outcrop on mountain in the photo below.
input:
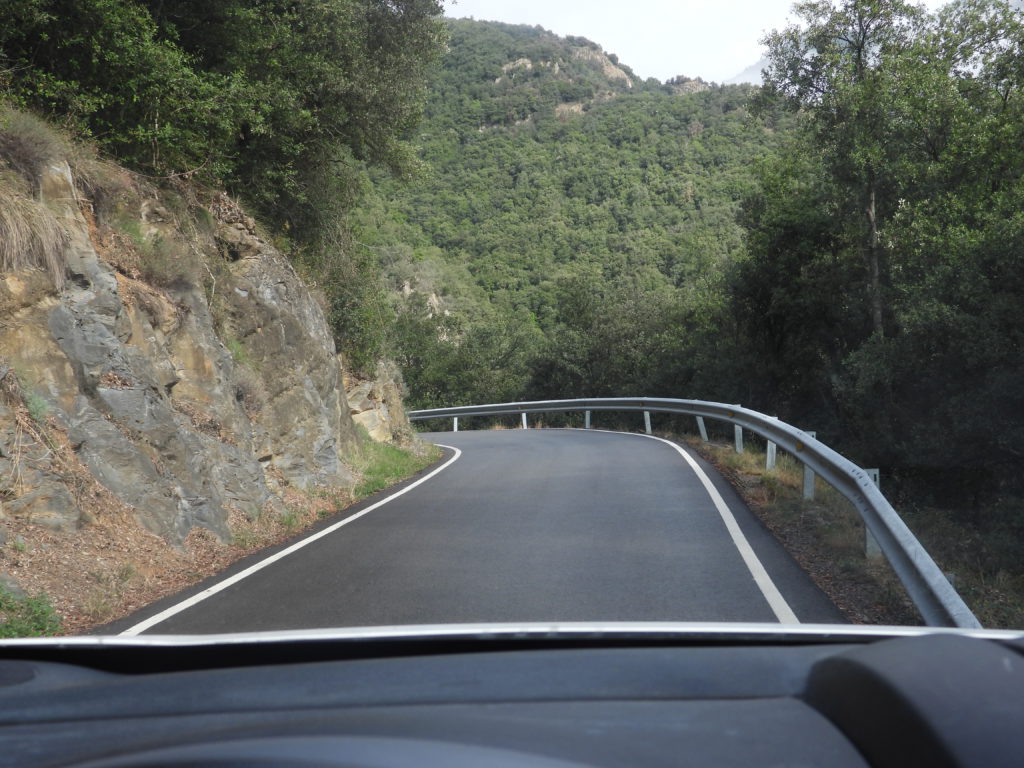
(683, 84)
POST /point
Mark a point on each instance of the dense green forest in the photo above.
(885, 273)
(842, 247)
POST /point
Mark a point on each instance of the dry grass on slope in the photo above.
(825, 536)
(30, 235)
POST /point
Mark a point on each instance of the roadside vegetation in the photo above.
(827, 537)
(381, 465)
(842, 250)
(375, 467)
(24, 616)
(119, 567)
(284, 104)
(984, 559)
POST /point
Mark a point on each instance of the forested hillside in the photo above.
(575, 222)
(843, 247)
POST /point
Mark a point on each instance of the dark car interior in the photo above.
(531, 700)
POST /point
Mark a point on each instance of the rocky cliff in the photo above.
(161, 345)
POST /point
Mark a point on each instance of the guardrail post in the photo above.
(586, 420)
(524, 421)
(770, 449)
(647, 422)
(871, 548)
(702, 428)
(809, 478)
(455, 424)
(738, 434)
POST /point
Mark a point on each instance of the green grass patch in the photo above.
(291, 520)
(379, 465)
(244, 539)
(237, 351)
(27, 616)
(37, 407)
(161, 261)
(130, 225)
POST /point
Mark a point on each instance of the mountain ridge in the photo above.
(751, 75)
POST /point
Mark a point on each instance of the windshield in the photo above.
(370, 314)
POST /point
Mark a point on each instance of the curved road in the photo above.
(524, 526)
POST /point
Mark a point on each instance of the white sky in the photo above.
(713, 39)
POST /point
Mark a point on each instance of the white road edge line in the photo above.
(764, 582)
(142, 626)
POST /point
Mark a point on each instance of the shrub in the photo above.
(37, 407)
(27, 616)
(238, 353)
(162, 262)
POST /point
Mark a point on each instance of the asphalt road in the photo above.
(534, 525)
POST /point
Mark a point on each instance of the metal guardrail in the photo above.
(928, 587)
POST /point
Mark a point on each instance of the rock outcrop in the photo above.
(191, 368)
(609, 68)
(376, 405)
(686, 85)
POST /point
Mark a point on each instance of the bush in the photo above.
(282, 102)
(175, 87)
(27, 616)
(358, 310)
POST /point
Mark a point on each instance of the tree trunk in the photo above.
(873, 257)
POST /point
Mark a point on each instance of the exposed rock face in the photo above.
(520, 63)
(376, 405)
(685, 85)
(569, 109)
(31, 489)
(610, 70)
(182, 400)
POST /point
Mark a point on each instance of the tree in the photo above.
(280, 100)
(840, 69)
(921, 147)
(103, 68)
(327, 82)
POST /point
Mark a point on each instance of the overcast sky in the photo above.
(713, 39)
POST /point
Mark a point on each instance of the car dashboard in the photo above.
(504, 696)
